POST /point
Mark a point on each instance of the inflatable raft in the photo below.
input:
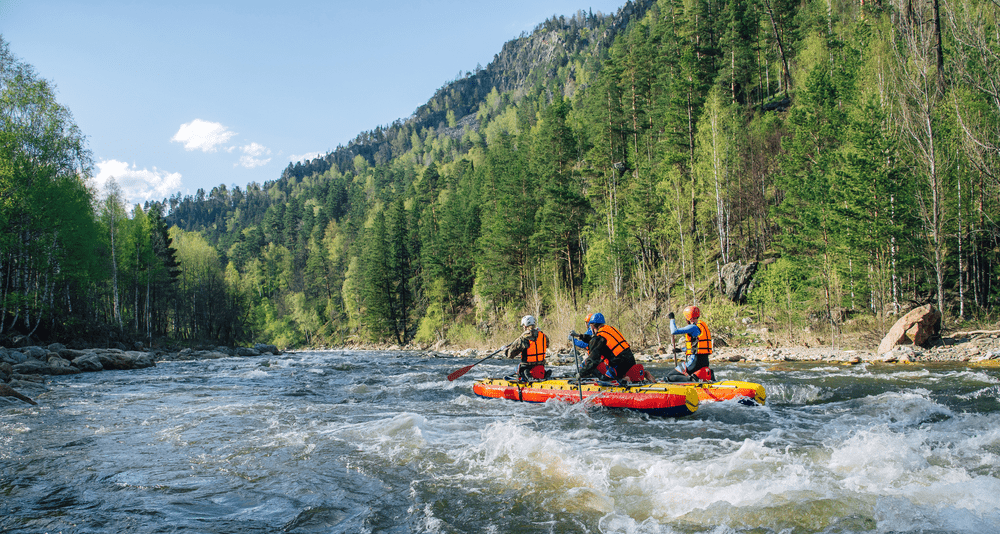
(667, 399)
(745, 392)
(660, 399)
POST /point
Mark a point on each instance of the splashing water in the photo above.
(382, 442)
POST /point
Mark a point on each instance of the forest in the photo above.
(846, 153)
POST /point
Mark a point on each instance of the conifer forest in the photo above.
(845, 153)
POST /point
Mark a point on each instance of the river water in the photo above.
(382, 442)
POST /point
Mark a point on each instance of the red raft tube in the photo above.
(659, 399)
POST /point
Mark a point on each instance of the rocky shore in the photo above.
(23, 371)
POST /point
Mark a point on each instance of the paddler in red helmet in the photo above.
(698, 348)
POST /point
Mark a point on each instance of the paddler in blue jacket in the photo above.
(576, 338)
(606, 344)
(698, 348)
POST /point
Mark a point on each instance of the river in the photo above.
(366, 442)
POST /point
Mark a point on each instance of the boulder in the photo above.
(37, 353)
(736, 280)
(88, 362)
(247, 351)
(59, 366)
(32, 366)
(56, 347)
(267, 348)
(71, 354)
(915, 328)
(13, 357)
(114, 359)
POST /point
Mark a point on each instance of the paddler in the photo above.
(606, 344)
(577, 339)
(531, 347)
(698, 348)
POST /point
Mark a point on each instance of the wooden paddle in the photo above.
(466, 369)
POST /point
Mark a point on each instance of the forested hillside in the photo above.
(846, 151)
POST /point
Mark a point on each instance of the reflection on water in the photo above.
(383, 442)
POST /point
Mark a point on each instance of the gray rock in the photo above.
(736, 280)
(246, 351)
(13, 357)
(37, 353)
(56, 347)
(60, 366)
(71, 354)
(88, 362)
(262, 348)
(113, 359)
(32, 366)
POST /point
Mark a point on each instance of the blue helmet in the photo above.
(597, 318)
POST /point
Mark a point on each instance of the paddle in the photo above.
(466, 369)
(579, 381)
(673, 342)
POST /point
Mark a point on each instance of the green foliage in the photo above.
(613, 162)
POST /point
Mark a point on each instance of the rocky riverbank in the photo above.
(24, 370)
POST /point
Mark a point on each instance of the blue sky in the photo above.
(175, 96)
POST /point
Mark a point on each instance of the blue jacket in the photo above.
(692, 330)
(579, 342)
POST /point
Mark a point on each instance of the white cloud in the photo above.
(253, 155)
(202, 135)
(309, 156)
(138, 185)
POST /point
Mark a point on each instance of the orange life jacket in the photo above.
(616, 342)
(535, 353)
(703, 347)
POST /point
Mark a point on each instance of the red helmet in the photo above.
(691, 313)
(589, 315)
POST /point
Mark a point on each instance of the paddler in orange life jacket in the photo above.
(531, 347)
(698, 348)
(606, 344)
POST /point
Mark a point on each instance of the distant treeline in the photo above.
(613, 162)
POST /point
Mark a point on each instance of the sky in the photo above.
(180, 95)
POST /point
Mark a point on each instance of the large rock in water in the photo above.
(736, 280)
(914, 328)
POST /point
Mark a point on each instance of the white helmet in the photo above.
(528, 320)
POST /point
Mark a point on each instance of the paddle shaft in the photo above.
(467, 368)
(579, 381)
(673, 347)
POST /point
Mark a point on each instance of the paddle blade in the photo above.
(460, 372)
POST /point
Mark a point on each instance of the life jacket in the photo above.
(535, 353)
(704, 342)
(615, 341)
